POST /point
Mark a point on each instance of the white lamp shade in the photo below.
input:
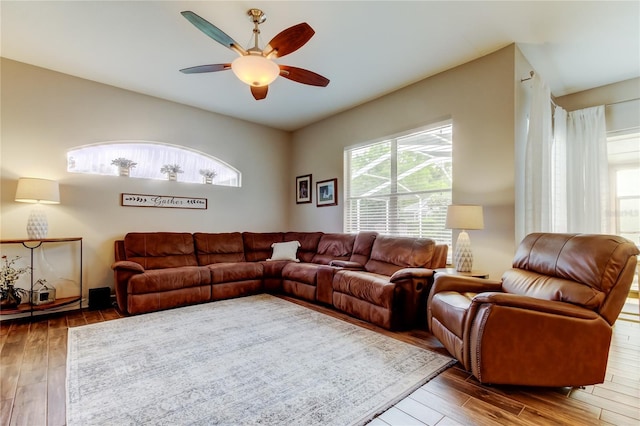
(255, 70)
(464, 217)
(34, 190)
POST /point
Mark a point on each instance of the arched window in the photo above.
(151, 160)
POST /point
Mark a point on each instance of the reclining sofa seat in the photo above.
(390, 289)
(162, 270)
(155, 271)
(548, 321)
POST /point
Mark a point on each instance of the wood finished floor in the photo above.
(33, 368)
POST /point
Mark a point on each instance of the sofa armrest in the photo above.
(533, 304)
(409, 273)
(127, 265)
(463, 284)
(515, 339)
(123, 270)
(347, 264)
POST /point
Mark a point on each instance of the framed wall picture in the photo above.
(303, 189)
(327, 193)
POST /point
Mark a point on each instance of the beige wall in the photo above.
(45, 113)
(479, 97)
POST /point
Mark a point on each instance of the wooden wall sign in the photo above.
(163, 201)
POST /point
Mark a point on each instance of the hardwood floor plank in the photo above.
(110, 314)
(6, 405)
(499, 416)
(419, 411)
(625, 381)
(92, 317)
(9, 374)
(29, 407)
(618, 419)
(448, 421)
(396, 417)
(630, 400)
(450, 409)
(607, 404)
(479, 392)
(56, 396)
(377, 422)
(57, 348)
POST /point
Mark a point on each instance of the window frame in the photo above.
(393, 216)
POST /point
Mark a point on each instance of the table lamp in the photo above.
(38, 191)
(464, 217)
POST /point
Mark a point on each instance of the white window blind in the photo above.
(401, 185)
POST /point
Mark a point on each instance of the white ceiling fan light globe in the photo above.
(255, 70)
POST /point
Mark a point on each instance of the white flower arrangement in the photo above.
(124, 162)
(208, 173)
(171, 168)
(9, 274)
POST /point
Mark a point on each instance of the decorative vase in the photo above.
(123, 171)
(172, 176)
(11, 300)
(208, 179)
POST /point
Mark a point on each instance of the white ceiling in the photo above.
(366, 48)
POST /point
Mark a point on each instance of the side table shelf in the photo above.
(29, 307)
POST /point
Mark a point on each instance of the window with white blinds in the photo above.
(401, 185)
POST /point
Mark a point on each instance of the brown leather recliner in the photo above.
(548, 321)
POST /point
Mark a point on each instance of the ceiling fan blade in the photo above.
(259, 92)
(303, 76)
(206, 68)
(212, 31)
(289, 40)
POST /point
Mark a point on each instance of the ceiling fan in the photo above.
(255, 66)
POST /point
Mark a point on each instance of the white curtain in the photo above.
(587, 171)
(537, 176)
(566, 168)
(559, 171)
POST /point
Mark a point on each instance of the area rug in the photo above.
(257, 360)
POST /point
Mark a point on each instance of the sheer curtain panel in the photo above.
(587, 171)
(538, 161)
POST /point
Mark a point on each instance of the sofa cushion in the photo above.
(257, 245)
(218, 247)
(390, 254)
(373, 288)
(334, 247)
(156, 250)
(556, 254)
(285, 251)
(362, 247)
(308, 243)
(159, 280)
(451, 308)
(303, 272)
(533, 284)
(231, 272)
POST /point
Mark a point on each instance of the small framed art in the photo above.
(303, 189)
(327, 193)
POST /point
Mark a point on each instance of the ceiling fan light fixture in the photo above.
(255, 70)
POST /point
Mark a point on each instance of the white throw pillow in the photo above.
(285, 251)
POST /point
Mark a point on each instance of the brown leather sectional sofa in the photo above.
(380, 279)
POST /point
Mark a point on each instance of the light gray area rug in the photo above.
(256, 360)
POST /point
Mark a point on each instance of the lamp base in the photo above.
(37, 225)
(462, 256)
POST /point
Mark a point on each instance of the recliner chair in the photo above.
(548, 321)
